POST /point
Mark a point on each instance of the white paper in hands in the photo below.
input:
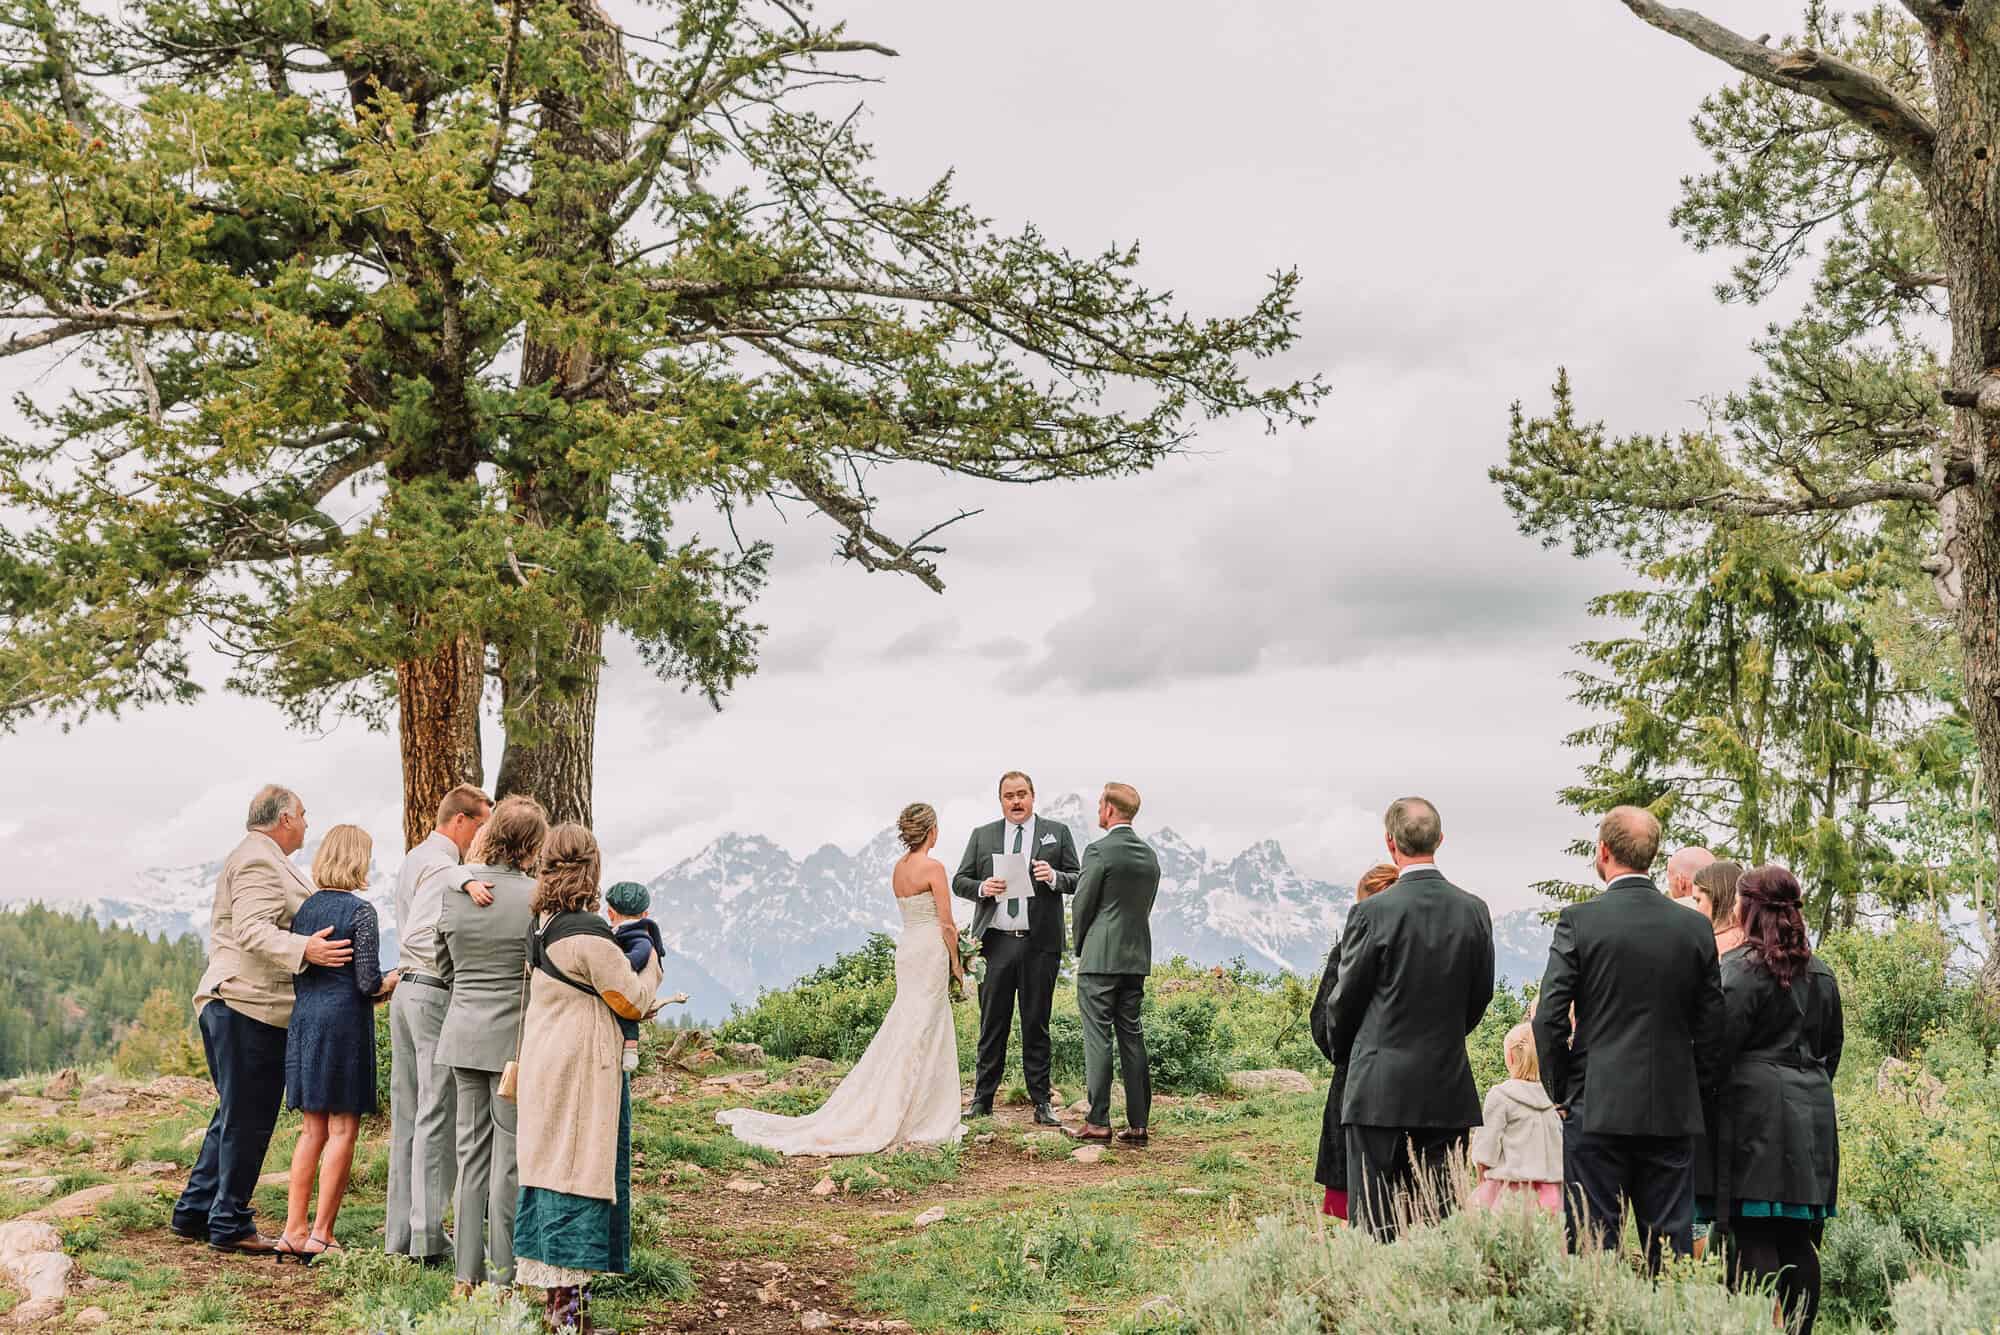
(1010, 910)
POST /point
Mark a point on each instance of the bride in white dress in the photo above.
(904, 1090)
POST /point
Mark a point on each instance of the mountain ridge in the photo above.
(742, 914)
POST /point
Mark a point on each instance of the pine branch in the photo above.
(1861, 96)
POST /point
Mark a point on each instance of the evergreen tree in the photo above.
(1860, 150)
(413, 334)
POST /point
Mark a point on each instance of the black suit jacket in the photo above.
(1641, 972)
(1045, 910)
(1415, 976)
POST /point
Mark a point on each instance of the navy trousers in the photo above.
(246, 1059)
(1654, 1174)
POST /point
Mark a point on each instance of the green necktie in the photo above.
(1014, 905)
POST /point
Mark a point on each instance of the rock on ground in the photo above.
(935, 1215)
(1896, 1075)
(91, 1316)
(109, 1102)
(1270, 1082)
(1087, 1153)
(179, 1087)
(35, 1188)
(31, 1258)
(62, 1084)
(80, 1203)
(742, 1054)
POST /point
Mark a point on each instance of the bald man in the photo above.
(1681, 870)
(1629, 1078)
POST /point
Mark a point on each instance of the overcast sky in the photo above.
(1272, 637)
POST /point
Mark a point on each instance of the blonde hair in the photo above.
(570, 871)
(1522, 1061)
(1122, 798)
(464, 800)
(915, 824)
(342, 860)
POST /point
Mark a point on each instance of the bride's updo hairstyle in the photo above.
(915, 825)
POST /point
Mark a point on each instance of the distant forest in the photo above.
(71, 987)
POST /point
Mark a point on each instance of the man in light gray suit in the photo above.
(1114, 953)
(483, 953)
(421, 1161)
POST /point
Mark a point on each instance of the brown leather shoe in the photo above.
(1133, 1135)
(252, 1243)
(1101, 1134)
(462, 1289)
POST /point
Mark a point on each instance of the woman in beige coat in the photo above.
(574, 1216)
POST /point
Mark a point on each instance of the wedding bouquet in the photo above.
(970, 962)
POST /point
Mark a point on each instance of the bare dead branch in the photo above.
(1864, 98)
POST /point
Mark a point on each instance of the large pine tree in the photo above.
(1861, 153)
(407, 337)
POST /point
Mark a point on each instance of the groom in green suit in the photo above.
(1114, 953)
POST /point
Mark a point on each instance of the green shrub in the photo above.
(1894, 986)
(1935, 1170)
(383, 1065)
(1485, 1046)
(832, 1012)
(1478, 1271)
(1189, 1044)
(1952, 1302)
(1862, 1260)
(162, 1040)
(486, 1312)
(907, 1170)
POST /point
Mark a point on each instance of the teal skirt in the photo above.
(581, 1232)
(1704, 1211)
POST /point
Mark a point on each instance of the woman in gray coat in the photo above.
(483, 954)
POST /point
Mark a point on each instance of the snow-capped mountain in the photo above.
(758, 918)
(743, 914)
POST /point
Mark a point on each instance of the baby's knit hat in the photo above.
(629, 898)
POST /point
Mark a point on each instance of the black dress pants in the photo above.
(246, 1059)
(1397, 1174)
(1018, 974)
(1601, 1173)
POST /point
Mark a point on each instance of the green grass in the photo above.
(375, 1289)
(140, 1278)
(77, 1179)
(905, 1171)
(162, 1144)
(130, 1211)
(52, 1136)
(82, 1235)
(1005, 1273)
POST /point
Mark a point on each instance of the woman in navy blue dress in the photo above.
(330, 1048)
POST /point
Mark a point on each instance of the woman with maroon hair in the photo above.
(1777, 1146)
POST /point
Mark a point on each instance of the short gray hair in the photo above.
(272, 804)
(1414, 825)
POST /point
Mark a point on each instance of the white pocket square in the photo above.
(1048, 838)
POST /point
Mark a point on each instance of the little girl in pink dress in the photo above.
(1519, 1146)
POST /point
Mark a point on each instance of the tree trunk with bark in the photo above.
(438, 726)
(551, 708)
(552, 738)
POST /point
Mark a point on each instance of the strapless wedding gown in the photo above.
(904, 1090)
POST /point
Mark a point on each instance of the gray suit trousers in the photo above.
(422, 1162)
(488, 1177)
(1108, 1004)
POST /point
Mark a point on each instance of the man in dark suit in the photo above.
(1021, 943)
(1630, 1074)
(1416, 975)
(1114, 953)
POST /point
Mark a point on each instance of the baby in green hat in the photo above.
(639, 936)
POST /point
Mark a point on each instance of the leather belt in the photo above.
(427, 980)
(1005, 931)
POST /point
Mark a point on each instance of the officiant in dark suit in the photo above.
(1021, 940)
(1416, 975)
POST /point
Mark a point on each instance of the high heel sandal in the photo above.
(282, 1249)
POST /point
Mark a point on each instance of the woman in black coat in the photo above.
(1776, 1169)
(1331, 1170)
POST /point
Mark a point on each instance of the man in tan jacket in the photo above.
(245, 1002)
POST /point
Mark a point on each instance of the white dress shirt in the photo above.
(420, 902)
(1409, 867)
